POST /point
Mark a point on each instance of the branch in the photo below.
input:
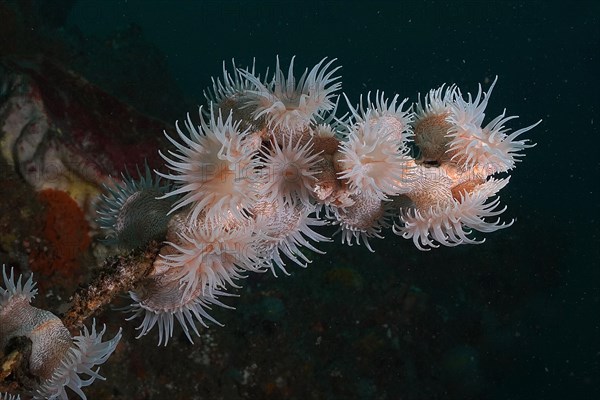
(118, 274)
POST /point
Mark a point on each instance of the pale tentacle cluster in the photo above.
(269, 163)
(89, 350)
(57, 360)
(290, 105)
(160, 299)
(215, 167)
(249, 184)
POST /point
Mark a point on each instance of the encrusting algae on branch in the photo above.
(118, 275)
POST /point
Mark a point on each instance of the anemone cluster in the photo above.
(267, 162)
(248, 183)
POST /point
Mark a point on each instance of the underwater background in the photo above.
(517, 317)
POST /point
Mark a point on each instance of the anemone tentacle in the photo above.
(213, 168)
(294, 106)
